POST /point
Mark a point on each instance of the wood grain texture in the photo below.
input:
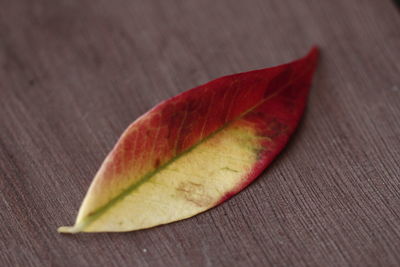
(74, 74)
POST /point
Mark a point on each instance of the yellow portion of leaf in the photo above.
(182, 188)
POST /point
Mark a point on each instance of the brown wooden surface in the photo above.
(74, 74)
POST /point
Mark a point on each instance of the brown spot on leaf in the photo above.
(274, 129)
(195, 193)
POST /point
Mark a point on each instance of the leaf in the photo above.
(196, 150)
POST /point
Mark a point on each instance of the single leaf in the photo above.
(196, 150)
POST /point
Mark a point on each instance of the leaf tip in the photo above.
(313, 53)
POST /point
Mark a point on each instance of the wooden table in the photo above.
(74, 74)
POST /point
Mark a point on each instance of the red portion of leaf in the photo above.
(276, 95)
